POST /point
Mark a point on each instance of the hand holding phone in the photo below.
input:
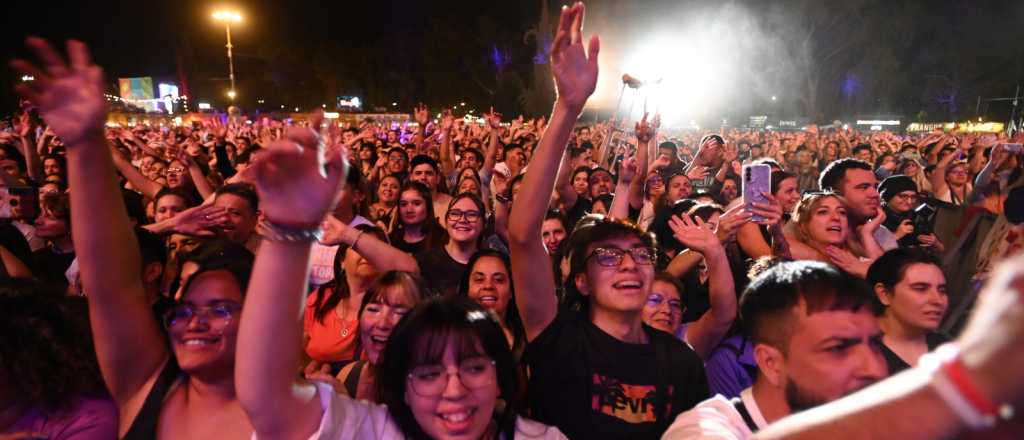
(757, 181)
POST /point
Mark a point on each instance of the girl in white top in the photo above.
(446, 371)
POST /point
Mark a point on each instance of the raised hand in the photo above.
(627, 171)
(447, 120)
(574, 69)
(421, 115)
(730, 221)
(198, 221)
(69, 97)
(297, 185)
(770, 212)
(694, 233)
(661, 162)
(493, 119)
(644, 130)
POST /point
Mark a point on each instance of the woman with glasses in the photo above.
(446, 370)
(596, 371)
(184, 377)
(444, 267)
(900, 197)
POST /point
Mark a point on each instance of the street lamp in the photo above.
(229, 17)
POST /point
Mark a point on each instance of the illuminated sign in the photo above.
(878, 122)
(204, 106)
(350, 103)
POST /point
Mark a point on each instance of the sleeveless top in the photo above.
(145, 423)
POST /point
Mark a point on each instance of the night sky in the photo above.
(980, 43)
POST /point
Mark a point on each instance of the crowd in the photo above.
(523, 279)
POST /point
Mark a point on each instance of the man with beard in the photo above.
(815, 340)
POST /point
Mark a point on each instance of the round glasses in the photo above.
(612, 257)
(216, 316)
(455, 215)
(431, 380)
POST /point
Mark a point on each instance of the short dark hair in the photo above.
(421, 159)
(892, 266)
(859, 148)
(659, 225)
(591, 229)
(180, 192)
(219, 254)
(668, 145)
(832, 177)
(422, 336)
(243, 190)
(152, 247)
(778, 290)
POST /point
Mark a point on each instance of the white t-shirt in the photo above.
(716, 418)
(323, 257)
(345, 418)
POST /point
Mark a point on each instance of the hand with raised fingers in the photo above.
(644, 131)
(199, 220)
(297, 184)
(69, 96)
(627, 170)
(770, 213)
(421, 115)
(493, 119)
(730, 222)
(574, 69)
(693, 233)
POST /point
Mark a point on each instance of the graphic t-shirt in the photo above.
(591, 385)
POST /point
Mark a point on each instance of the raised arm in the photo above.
(129, 344)
(938, 177)
(28, 148)
(620, 202)
(563, 182)
(447, 162)
(296, 191)
(493, 129)
(645, 134)
(705, 334)
(575, 72)
(148, 187)
(381, 255)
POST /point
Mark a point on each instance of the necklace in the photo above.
(344, 323)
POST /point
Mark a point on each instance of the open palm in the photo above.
(296, 184)
(69, 97)
(574, 69)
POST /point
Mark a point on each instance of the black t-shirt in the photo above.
(14, 241)
(897, 364)
(591, 385)
(49, 267)
(441, 273)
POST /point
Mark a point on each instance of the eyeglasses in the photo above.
(907, 197)
(431, 380)
(174, 170)
(455, 215)
(216, 316)
(656, 300)
(958, 172)
(612, 257)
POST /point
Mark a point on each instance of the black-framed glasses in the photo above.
(455, 215)
(473, 373)
(216, 316)
(657, 299)
(612, 257)
(908, 197)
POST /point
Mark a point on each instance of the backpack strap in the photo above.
(352, 380)
(742, 409)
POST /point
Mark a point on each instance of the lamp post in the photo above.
(229, 17)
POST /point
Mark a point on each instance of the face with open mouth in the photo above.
(465, 221)
(663, 310)
(828, 223)
(387, 191)
(379, 318)
(919, 300)
(489, 284)
(204, 328)
(464, 405)
(621, 288)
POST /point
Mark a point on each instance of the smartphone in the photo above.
(1014, 148)
(20, 202)
(757, 181)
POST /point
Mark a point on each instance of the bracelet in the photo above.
(356, 241)
(951, 382)
(287, 234)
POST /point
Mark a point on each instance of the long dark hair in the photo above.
(421, 338)
(46, 358)
(513, 321)
(435, 234)
(330, 294)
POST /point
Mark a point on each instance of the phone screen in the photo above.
(757, 181)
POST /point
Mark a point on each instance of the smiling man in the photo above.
(815, 340)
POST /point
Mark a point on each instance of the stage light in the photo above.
(773, 97)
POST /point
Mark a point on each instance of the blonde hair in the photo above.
(803, 213)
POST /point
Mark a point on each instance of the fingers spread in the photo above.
(49, 57)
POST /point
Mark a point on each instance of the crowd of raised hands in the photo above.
(485, 278)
